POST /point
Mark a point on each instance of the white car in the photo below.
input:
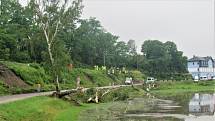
(196, 79)
(150, 80)
(128, 80)
(203, 78)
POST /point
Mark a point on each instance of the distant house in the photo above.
(201, 67)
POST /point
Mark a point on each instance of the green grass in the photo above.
(41, 109)
(90, 78)
(184, 87)
(52, 109)
(30, 73)
(94, 78)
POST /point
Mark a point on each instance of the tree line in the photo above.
(52, 33)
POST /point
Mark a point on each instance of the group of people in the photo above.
(112, 70)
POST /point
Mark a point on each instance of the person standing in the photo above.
(38, 87)
(78, 81)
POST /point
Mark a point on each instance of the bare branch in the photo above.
(56, 30)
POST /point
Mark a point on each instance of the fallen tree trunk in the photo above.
(62, 94)
(96, 98)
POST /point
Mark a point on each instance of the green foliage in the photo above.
(92, 78)
(120, 94)
(137, 75)
(30, 73)
(34, 73)
(89, 78)
(162, 59)
(123, 94)
(90, 43)
(3, 88)
(82, 42)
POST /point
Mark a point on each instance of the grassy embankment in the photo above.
(45, 108)
(53, 109)
(41, 109)
(33, 74)
(173, 88)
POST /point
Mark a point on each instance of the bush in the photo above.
(3, 88)
(137, 75)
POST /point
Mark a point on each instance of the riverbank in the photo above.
(41, 109)
(177, 87)
(52, 109)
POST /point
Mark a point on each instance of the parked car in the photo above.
(203, 78)
(128, 80)
(196, 78)
(150, 80)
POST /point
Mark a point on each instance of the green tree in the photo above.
(162, 59)
(14, 24)
(91, 43)
(52, 17)
(121, 54)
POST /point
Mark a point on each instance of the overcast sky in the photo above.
(188, 23)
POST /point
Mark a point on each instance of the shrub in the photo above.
(3, 88)
(137, 75)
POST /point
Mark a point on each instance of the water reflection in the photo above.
(199, 107)
(196, 107)
(202, 104)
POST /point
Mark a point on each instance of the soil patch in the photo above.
(10, 78)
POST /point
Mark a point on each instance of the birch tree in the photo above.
(52, 17)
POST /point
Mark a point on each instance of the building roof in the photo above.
(196, 58)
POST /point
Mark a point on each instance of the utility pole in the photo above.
(0, 7)
(214, 35)
(104, 59)
(214, 25)
(137, 61)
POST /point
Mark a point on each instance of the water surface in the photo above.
(184, 107)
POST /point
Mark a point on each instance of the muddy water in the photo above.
(192, 107)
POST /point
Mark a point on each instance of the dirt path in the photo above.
(11, 98)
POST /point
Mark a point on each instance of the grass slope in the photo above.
(92, 78)
(33, 73)
(30, 73)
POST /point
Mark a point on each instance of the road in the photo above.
(11, 98)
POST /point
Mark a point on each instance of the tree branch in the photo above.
(56, 30)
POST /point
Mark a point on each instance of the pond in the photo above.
(183, 107)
